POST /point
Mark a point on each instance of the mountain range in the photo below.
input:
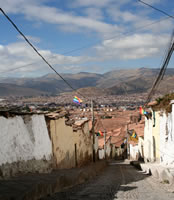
(123, 81)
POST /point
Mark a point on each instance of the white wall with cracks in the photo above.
(24, 138)
(159, 137)
(167, 138)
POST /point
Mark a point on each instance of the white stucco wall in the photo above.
(164, 133)
(148, 141)
(96, 144)
(108, 151)
(141, 146)
(108, 148)
(167, 138)
(101, 154)
(23, 140)
(133, 152)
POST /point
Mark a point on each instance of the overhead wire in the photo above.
(162, 70)
(67, 52)
(39, 54)
(23, 66)
(167, 57)
(89, 45)
(169, 16)
(157, 9)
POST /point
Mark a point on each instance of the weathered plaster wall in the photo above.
(167, 138)
(156, 136)
(96, 148)
(70, 148)
(133, 152)
(96, 144)
(25, 145)
(113, 151)
(108, 151)
(141, 147)
(101, 154)
(159, 138)
(148, 140)
(152, 137)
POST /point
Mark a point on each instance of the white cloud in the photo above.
(31, 38)
(96, 3)
(15, 6)
(105, 17)
(38, 12)
(94, 13)
(136, 20)
(99, 3)
(21, 57)
(55, 16)
(152, 1)
(136, 46)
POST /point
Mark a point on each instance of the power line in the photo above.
(162, 70)
(89, 45)
(39, 54)
(157, 9)
(13, 69)
(65, 52)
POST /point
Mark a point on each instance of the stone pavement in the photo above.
(119, 181)
(36, 186)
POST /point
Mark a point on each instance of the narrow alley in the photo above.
(119, 181)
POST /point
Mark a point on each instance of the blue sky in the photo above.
(111, 34)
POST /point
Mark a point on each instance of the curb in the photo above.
(136, 164)
(159, 172)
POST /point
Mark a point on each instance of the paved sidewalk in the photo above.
(36, 186)
(161, 172)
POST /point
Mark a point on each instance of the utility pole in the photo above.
(128, 151)
(105, 144)
(93, 131)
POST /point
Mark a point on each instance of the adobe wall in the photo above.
(148, 140)
(156, 136)
(109, 149)
(152, 138)
(70, 148)
(25, 145)
(167, 138)
(141, 147)
(133, 152)
(159, 138)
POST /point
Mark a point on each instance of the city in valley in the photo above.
(109, 142)
(86, 100)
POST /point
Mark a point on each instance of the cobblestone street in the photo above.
(118, 181)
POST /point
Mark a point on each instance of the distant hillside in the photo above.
(52, 84)
(93, 91)
(114, 82)
(14, 90)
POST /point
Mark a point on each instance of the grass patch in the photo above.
(165, 181)
(163, 103)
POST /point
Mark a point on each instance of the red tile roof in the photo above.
(139, 128)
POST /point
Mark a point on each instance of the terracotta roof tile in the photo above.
(139, 128)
